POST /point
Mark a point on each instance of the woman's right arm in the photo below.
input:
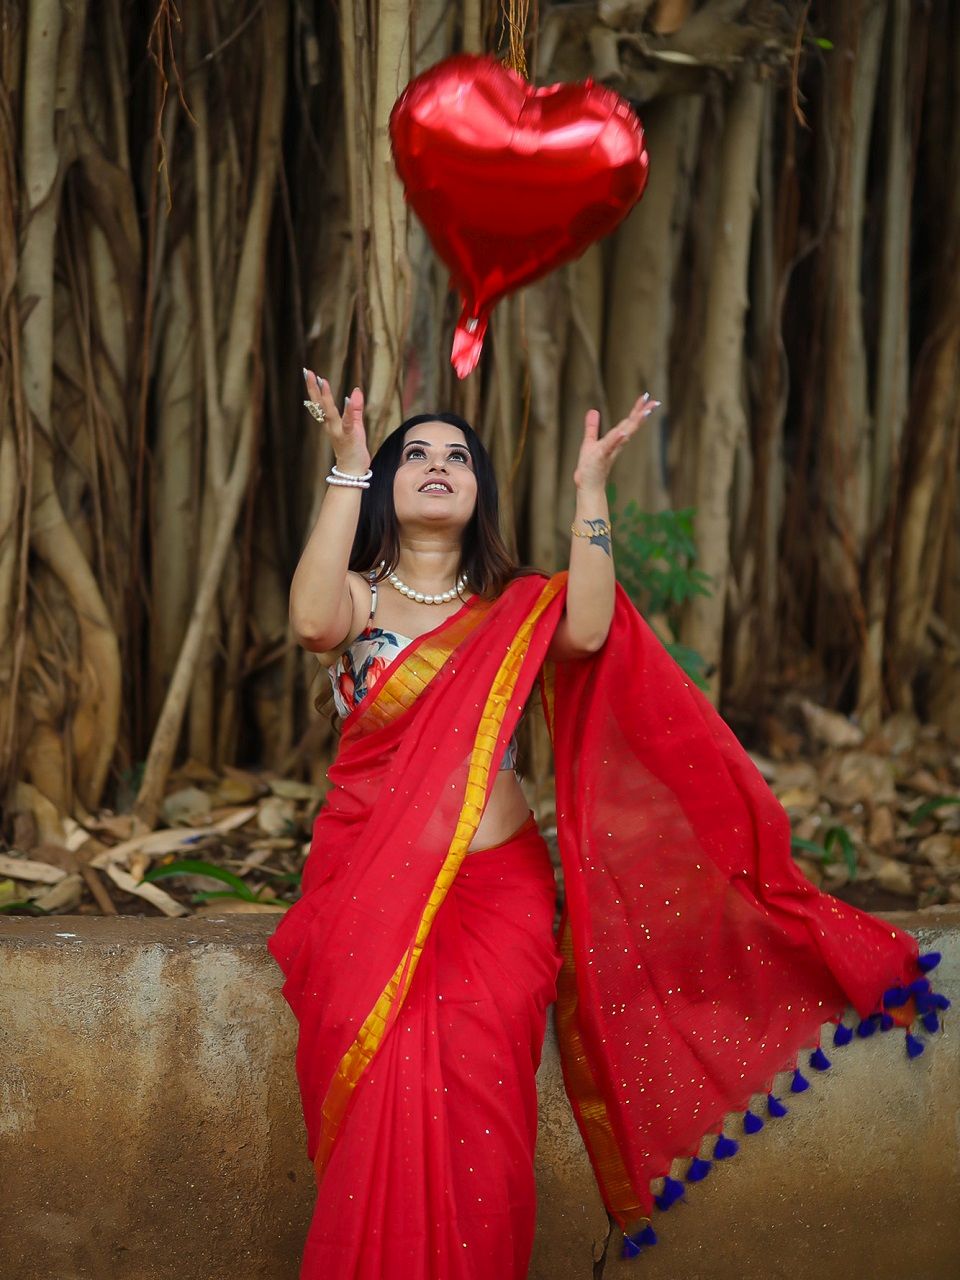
(324, 597)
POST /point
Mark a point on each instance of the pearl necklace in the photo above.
(421, 598)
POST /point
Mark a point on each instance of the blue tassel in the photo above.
(725, 1147)
(799, 1082)
(925, 1002)
(929, 961)
(931, 1021)
(671, 1193)
(632, 1245)
(918, 986)
(941, 1001)
(886, 1022)
(775, 1106)
(895, 997)
(867, 1027)
(819, 1060)
(698, 1170)
(914, 1046)
(751, 1123)
(842, 1035)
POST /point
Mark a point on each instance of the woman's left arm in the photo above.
(591, 582)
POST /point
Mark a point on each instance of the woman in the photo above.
(693, 961)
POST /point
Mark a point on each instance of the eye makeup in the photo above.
(420, 446)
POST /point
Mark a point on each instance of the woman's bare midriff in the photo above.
(506, 812)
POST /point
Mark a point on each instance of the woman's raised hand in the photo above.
(345, 430)
(598, 453)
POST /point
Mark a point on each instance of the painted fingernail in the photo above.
(656, 404)
(305, 372)
(646, 395)
(320, 382)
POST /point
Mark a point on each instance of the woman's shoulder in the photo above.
(362, 596)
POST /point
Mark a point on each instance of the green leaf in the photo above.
(287, 877)
(655, 553)
(195, 867)
(822, 42)
(841, 836)
(810, 846)
(930, 806)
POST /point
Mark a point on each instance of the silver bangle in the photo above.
(348, 484)
(345, 475)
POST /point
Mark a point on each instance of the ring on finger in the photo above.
(315, 410)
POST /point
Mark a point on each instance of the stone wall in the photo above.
(150, 1129)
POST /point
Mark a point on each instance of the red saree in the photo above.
(695, 961)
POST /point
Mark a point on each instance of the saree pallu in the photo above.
(695, 960)
(699, 962)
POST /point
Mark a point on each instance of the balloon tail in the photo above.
(467, 343)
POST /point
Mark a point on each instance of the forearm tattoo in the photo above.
(599, 535)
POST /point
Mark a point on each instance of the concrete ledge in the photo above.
(150, 1128)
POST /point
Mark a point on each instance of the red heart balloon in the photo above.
(511, 181)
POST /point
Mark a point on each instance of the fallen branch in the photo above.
(93, 882)
(167, 731)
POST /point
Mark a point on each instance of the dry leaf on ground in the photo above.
(27, 869)
(151, 893)
(62, 897)
(829, 727)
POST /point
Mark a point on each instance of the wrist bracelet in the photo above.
(597, 529)
(356, 483)
(345, 475)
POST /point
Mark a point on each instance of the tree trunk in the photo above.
(722, 417)
(931, 448)
(892, 363)
(844, 424)
(640, 310)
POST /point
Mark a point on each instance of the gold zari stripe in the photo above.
(398, 691)
(361, 1053)
(608, 1165)
(607, 1160)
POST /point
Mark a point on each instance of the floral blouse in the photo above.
(359, 667)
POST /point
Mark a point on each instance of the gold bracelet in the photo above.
(598, 529)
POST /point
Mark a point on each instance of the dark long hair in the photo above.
(484, 558)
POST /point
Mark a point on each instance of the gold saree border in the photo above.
(609, 1167)
(611, 1172)
(375, 1026)
(398, 691)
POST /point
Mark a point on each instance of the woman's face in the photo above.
(435, 483)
